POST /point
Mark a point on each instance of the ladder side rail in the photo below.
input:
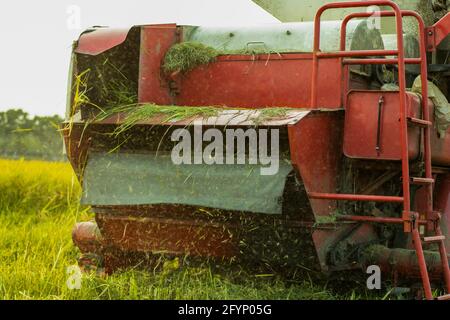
(408, 217)
(402, 83)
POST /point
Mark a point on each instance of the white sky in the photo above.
(36, 39)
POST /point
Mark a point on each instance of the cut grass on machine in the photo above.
(185, 56)
(109, 85)
(133, 114)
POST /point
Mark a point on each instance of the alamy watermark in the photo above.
(74, 277)
(228, 147)
(374, 280)
(73, 21)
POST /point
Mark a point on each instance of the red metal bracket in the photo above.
(411, 220)
(438, 32)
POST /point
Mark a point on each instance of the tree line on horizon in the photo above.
(30, 137)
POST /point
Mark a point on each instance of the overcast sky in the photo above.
(37, 35)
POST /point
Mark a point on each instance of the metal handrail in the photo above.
(402, 77)
(408, 217)
(423, 73)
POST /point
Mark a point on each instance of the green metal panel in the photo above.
(305, 10)
(286, 37)
(146, 179)
(298, 10)
(297, 34)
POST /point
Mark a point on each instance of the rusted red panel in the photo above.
(442, 204)
(316, 152)
(440, 147)
(438, 32)
(156, 40)
(181, 230)
(260, 81)
(172, 236)
(100, 40)
(361, 125)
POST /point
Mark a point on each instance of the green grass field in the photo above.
(38, 208)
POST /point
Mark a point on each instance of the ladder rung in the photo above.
(434, 239)
(420, 122)
(422, 181)
(444, 298)
(354, 197)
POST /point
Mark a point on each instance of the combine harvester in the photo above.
(363, 160)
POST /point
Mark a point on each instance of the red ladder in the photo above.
(411, 220)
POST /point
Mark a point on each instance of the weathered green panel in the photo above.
(305, 10)
(298, 10)
(146, 179)
(286, 37)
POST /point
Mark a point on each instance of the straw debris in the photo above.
(184, 57)
(138, 113)
(133, 114)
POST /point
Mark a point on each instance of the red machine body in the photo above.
(351, 132)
